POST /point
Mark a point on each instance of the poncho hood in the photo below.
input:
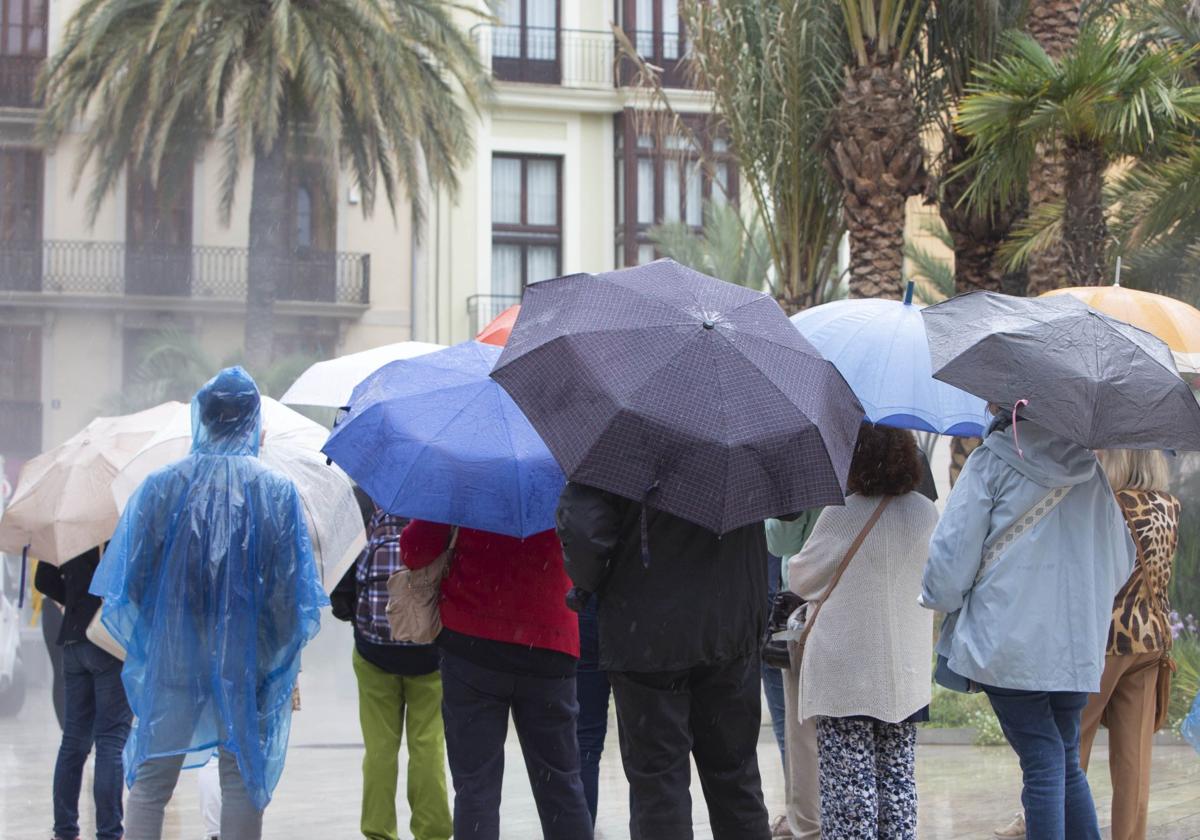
(227, 415)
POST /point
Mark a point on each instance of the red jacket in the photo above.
(499, 588)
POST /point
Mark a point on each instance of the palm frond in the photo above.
(726, 247)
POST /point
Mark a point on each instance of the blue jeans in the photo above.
(96, 712)
(592, 690)
(476, 703)
(1043, 729)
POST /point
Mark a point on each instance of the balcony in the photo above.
(114, 269)
(573, 58)
(483, 309)
(18, 81)
(20, 428)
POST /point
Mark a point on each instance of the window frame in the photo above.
(523, 68)
(26, 26)
(523, 234)
(674, 70)
(631, 232)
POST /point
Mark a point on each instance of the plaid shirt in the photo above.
(378, 562)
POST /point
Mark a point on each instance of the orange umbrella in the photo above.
(1174, 321)
(498, 331)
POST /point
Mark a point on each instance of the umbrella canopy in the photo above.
(675, 389)
(498, 331)
(881, 349)
(291, 446)
(1097, 381)
(62, 505)
(331, 382)
(435, 438)
(1173, 321)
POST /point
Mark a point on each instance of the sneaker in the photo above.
(1015, 830)
(780, 829)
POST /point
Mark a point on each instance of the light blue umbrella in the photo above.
(879, 346)
(434, 437)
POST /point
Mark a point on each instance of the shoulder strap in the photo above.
(1020, 526)
(841, 569)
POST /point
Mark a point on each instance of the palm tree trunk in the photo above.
(875, 153)
(1055, 25)
(268, 253)
(1085, 231)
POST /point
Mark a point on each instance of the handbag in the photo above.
(98, 635)
(413, 609)
(775, 646)
(943, 675)
(803, 619)
(1166, 663)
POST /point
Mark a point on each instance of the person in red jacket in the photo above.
(509, 644)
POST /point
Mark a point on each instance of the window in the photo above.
(24, 28)
(312, 226)
(660, 180)
(526, 221)
(525, 46)
(20, 391)
(20, 219)
(158, 233)
(658, 34)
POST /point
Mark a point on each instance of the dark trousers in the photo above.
(52, 619)
(592, 690)
(96, 712)
(712, 712)
(1043, 729)
(476, 703)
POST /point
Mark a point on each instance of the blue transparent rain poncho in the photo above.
(210, 585)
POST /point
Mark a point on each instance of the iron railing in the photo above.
(568, 57)
(212, 273)
(18, 81)
(483, 309)
(20, 427)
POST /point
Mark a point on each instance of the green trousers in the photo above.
(387, 704)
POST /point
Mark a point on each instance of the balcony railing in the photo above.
(482, 309)
(18, 79)
(57, 267)
(569, 57)
(20, 428)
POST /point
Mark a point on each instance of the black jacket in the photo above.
(68, 585)
(696, 598)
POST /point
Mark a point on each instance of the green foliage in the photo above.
(886, 29)
(1186, 683)
(933, 276)
(987, 729)
(726, 247)
(953, 709)
(369, 84)
(1111, 92)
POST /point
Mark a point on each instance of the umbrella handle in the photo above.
(24, 563)
(1016, 439)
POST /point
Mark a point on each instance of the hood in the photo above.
(1050, 459)
(227, 415)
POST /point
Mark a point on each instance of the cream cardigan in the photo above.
(871, 648)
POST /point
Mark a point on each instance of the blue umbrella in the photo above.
(434, 437)
(879, 346)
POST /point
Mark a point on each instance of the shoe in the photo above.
(1015, 830)
(781, 831)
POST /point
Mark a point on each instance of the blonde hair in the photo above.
(1135, 469)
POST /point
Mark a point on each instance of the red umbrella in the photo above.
(498, 331)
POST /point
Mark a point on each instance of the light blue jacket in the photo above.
(1038, 618)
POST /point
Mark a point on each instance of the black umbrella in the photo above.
(690, 394)
(1097, 381)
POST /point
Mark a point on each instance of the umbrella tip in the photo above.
(908, 293)
(708, 324)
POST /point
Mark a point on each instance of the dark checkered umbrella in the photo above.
(1093, 379)
(690, 394)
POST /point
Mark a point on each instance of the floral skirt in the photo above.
(868, 782)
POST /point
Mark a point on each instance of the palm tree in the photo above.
(960, 38)
(874, 144)
(369, 85)
(1105, 99)
(727, 246)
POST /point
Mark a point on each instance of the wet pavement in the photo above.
(964, 791)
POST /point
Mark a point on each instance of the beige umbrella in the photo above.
(291, 446)
(63, 503)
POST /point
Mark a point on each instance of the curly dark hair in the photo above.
(885, 462)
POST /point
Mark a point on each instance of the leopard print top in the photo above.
(1139, 623)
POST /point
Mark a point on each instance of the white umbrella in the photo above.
(331, 382)
(291, 446)
(63, 505)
